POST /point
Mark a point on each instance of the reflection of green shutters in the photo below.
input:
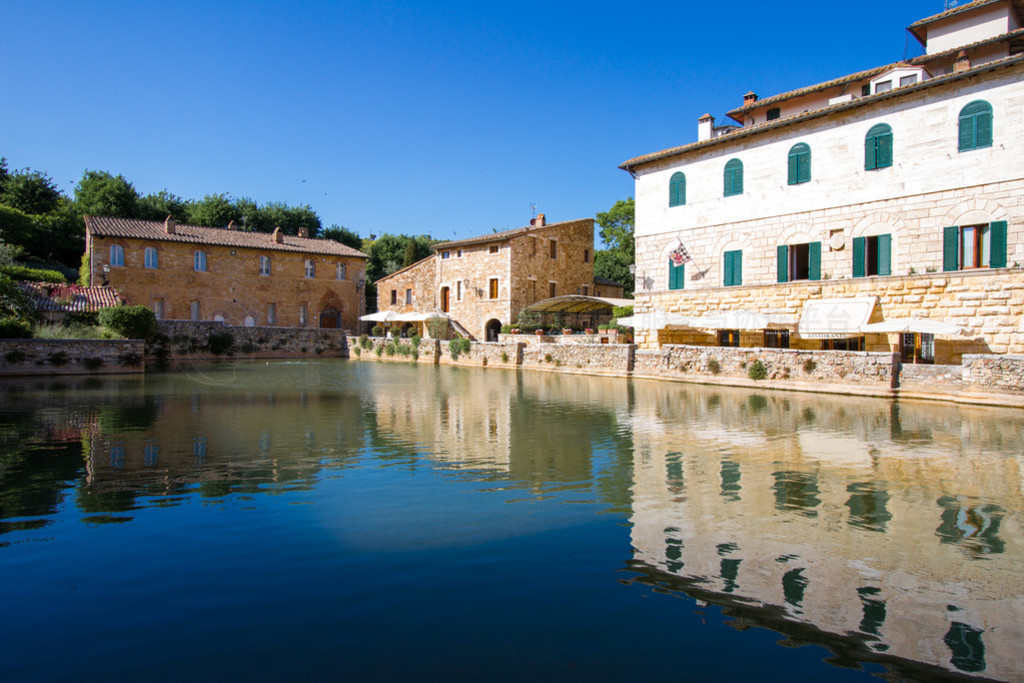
(975, 126)
(997, 245)
(676, 275)
(783, 261)
(799, 164)
(885, 254)
(878, 147)
(733, 178)
(951, 248)
(732, 268)
(677, 190)
(814, 261)
(859, 249)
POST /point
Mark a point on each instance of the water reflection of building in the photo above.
(900, 526)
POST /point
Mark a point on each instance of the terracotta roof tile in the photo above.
(504, 234)
(71, 298)
(916, 27)
(154, 230)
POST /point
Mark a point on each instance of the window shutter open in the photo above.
(997, 237)
(858, 256)
(737, 268)
(884, 155)
(814, 261)
(950, 248)
(983, 130)
(869, 154)
(885, 254)
(794, 164)
(966, 140)
(783, 262)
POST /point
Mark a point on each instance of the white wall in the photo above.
(970, 27)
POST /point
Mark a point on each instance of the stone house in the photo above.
(898, 186)
(188, 272)
(483, 282)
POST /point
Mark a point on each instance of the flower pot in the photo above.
(539, 333)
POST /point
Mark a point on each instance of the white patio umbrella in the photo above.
(380, 317)
(742, 320)
(655, 320)
(916, 325)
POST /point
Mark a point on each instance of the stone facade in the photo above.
(245, 279)
(937, 233)
(188, 340)
(70, 356)
(484, 282)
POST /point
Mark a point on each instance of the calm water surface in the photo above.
(358, 521)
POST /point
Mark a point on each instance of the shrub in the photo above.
(82, 318)
(58, 358)
(438, 328)
(714, 367)
(11, 328)
(390, 348)
(249, 347)
(415, 355)
(548, 358)
(378, 350)
(84, 276)
(504, 357)
(15, 357)
(219, 343)
(396, 331)
(810, 366)
(131, 322)
(358, 351)
(622, 311)
(757, 370)
(364, 341)
(416, 339)
(377, 330)
(506, 329)
(483, 362)
(93, 363)
(26, 274)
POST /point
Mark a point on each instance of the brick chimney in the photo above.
(963, 62)
(705, 127)
(277, 236)
(303, 232)
(749, 98)
(232, 226)
(538, 222)
(169, 225)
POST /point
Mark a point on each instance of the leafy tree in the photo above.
(9, 253)
(410, 254)
(131, 322)
(214, 210)
(156, 207)
(612, 265)
(288, 218)
(342, 234)
(387, 254)
(14, 302)
(29, 191)
(252, 216)
(100, 194)
(617, 227)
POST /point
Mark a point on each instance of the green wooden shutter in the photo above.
(794, 163)
(858, 256)
(727, 269)
(950, 248)
(733, 178)
(883, 157)
(676, 275)
(804, 172)
(966, 138)
(677, 190)
(732, 268)
(997, 244)
(783, 260)
(814, 261)
(885, 254)
(878, 147)
(983, 129)
(737, 267)
(869, 153)
(799, 163)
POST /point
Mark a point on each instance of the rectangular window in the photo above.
(303, 313)
(446, 254)
(850, 344)
(776, 339)
(551, 289)
(271, 314)
(676, 275)
(728, 337)
(460, 253)
(394, 297)
(586, 256)
(883, 86)
(799, 262)
(310, 268)
(533, 290)
(872, 255)
(774, 113)
(492, 288)
(732, 267)
(494, 249)
(865, 90)
(586, 290)
(916, 348)
(152, 258)
(158, 308)
(408, 296)
(553, 249)
(339, 271)
(458, 290)
(908, 80)
(974, 246)
(194, 311)
(264, 265)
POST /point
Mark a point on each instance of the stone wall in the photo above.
(994, 373)
(490, 354)
(397, 350)
(70, 356)
(591, 359)
(925, 377)
(187, 339)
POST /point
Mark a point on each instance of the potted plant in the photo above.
(566, 330)
(589, 330)
(514, 330)
(539, 331)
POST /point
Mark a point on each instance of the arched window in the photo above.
(976, 126)
(116, 255)
(199, 261)
(152, 259)
(878, 147)
(264, 265)
(799, 163)
(339, 271)
(310, 268)
(677, 190)
(733, 177)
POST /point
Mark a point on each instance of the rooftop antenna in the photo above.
(533, 211)
(950, 4)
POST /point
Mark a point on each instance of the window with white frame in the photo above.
(117, 255)
(310, 268)
(339, 271)
(199, 261)
(264, 265)
(194, 311)
(272, 314)
(303, 314)
(151, 258)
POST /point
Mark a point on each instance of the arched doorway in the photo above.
(492, 329)
(330, 318)
(250, 321)
(445, 298)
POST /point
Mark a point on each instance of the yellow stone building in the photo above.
(187, 272)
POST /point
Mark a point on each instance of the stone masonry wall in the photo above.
(70, 357)
(183, 338)
(593, 359)
(398, 350)
(994, 373)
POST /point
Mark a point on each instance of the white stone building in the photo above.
(902, 184)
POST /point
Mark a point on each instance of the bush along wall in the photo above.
(71, 356)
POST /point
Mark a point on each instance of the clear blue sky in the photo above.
(405, 117)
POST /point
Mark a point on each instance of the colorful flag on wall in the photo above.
(679, 255)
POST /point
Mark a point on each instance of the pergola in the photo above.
(577, 310)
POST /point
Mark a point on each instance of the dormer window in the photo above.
(774, 113)
(883, 86)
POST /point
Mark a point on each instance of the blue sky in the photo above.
(447, 119)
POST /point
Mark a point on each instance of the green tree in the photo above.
(29, 191)
(617, 232)
(214, 210)
(99, 193)
(612, 265)
(156, 207)
(339, 233)
(288, 218)
(387, 254)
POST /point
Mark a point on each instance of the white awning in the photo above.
(918, 325)
(419, 317)
(655, 320)
(743, 320)
(379, 317)
(835, 318)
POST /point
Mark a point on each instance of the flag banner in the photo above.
(679, 255)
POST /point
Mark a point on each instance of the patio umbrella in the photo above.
(380, 317)
(742, 320)
(916, 325)
(655, 320)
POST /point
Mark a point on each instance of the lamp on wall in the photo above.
(106, 274)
